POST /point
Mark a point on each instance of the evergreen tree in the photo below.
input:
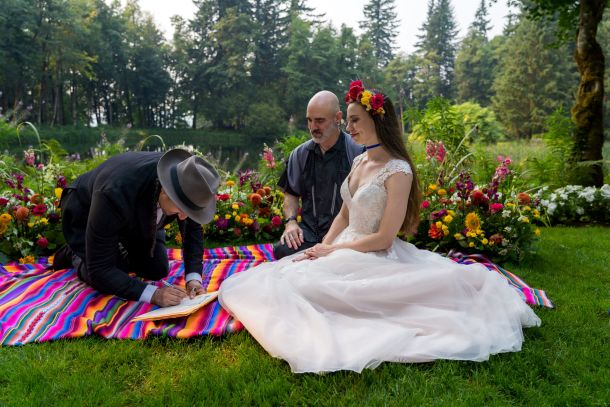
(533, 79)
(475, 62)
(381, 28)
(436, 50)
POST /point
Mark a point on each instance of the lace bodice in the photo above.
(368, 203)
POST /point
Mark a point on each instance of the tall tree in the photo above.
(381, 28)
(580, 19)
(533, 79)
(475, 62)
(437, 49)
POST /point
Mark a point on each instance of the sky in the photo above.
(411, 13)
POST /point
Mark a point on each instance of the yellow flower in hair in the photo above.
(366, 99)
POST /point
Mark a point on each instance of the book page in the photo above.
(186, 307)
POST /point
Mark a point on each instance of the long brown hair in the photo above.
(389, 132)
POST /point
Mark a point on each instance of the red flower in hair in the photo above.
(377, 101)
(355, 90)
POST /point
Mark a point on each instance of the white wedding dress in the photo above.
(352, 310)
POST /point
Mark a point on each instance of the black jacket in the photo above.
(117, 203)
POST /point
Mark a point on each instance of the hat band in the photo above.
(181, 195)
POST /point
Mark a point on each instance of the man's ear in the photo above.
(339, 118)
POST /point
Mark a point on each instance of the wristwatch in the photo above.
(288, 219)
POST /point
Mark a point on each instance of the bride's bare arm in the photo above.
(339, 223)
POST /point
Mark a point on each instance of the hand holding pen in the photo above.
(168, 295)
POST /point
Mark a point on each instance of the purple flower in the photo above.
(61, 182)
(222, 223)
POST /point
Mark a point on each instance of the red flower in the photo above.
(237, 232)
(39, 210)
(377, 101)
(42, 242)
(223, 197)
(434, 232)
(276, 221)
(425, 204)
(263, 212)
(3, 202)
(355, 90)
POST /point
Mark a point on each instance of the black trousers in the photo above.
(282, 250)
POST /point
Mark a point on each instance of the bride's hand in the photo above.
(319, 250)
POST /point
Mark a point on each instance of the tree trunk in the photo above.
(587, 112)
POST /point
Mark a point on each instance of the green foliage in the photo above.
(483, 120)
(554, 168)
(441, 122)
(533, 79)
(264, 121)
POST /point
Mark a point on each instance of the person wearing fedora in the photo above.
(113, 219)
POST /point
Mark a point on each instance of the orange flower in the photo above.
(434, 232)
(255, 199)
(261, 192)
(267, 190)
(22, 213)
(36, 199)
(524, 198)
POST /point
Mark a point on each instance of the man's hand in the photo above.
(292, 236)
(194, 288)
(168, 296)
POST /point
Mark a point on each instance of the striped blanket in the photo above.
(38, 305)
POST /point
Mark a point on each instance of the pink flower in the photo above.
(377, 101)
(268, 157)
(496, 207)
(29, 157)
(425, 204)
(436, 150)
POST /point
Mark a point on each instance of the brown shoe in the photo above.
(62, 259)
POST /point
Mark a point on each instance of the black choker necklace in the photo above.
(372, 146)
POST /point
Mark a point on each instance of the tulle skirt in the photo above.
(353, 310)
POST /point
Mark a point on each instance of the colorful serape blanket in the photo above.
(39, 305)
(532, 296)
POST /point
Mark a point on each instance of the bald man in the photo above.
(313, 176)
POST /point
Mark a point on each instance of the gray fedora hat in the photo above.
(190, 182)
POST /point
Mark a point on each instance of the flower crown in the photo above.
(373, 102)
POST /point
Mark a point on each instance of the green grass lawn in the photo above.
(566, 361)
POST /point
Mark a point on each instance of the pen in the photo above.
(165, 283)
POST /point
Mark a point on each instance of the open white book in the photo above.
(186, 307)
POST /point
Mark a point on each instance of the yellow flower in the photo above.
(458, 236)
(3, 228)
(299, 219)
(5, 218)
(366, 99)
(536, 213)
(58, 192)
(537, 232)
(276, 211)
(44, 221)
(228, 216)
(451, 212)
(29, 259)
(432, 187)
(30, 225)
(235, 206)
(230, 183)
(234, 213)
(166, 227)
(215, 217)
(448, 219)
(178, 238)
(526, 209)
(442, 192)
(472, 223)
(237, 218)
(471, 244)
(510, 204)
(484, 241)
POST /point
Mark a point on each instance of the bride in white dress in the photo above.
(363, 296)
